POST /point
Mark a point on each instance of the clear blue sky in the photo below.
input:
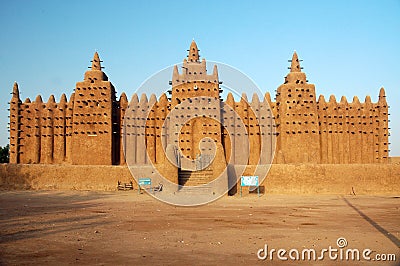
(348, 47)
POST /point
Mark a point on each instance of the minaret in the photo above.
(96, 63)
(194, 80)
(14, 124)
(193, 52)
(295, 75)
(95, 133)
(95, 73)
(297, 117)
(295, 65)
(382, 109)
(15, 92)
(196, 109)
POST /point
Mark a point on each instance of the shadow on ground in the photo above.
(23, 214)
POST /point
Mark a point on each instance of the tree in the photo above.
(5, 154)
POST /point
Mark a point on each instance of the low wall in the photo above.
(361, 179)
(62, 177)
(395, 160)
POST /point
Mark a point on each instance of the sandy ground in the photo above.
(96, 228)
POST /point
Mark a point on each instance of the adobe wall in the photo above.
(90, 128)
(343, 179)
(363, 179)
(394, 160)
(62, 177)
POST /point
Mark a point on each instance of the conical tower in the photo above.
(195, 119)
(193, 52)
(297, 117)
(194, 80)
(95, 128)
(14, 124)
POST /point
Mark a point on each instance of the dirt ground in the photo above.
(108, 228)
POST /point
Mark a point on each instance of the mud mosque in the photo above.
(89, 128)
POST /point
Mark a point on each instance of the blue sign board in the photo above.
(144, 181)
(249, 181)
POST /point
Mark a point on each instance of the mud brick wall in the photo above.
(301, 179)
(88, 129)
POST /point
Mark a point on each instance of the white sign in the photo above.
(249, 181)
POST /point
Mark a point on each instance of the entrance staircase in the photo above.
(195, 178)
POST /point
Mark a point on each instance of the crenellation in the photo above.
(47, 131)
(22, 138)
(129, 128)
(26, 131)
(343, 125)
(356, 129)
(229, 128)
(323, 128)
(151, 129)
(60, 130)
(160, 111)
(254, 130)
(332, 130)
(123, 106)
(242, 145)
(338, 133)
(141, 154)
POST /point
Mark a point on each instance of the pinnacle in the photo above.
(382, 92)
(63, 98)
(382, 95)
(123, 97)
(295, 66)
(193, 52)
(15, 91)
(52, 99)
(96, 63)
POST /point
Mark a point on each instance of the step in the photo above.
(195, 178)
(200, 190)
